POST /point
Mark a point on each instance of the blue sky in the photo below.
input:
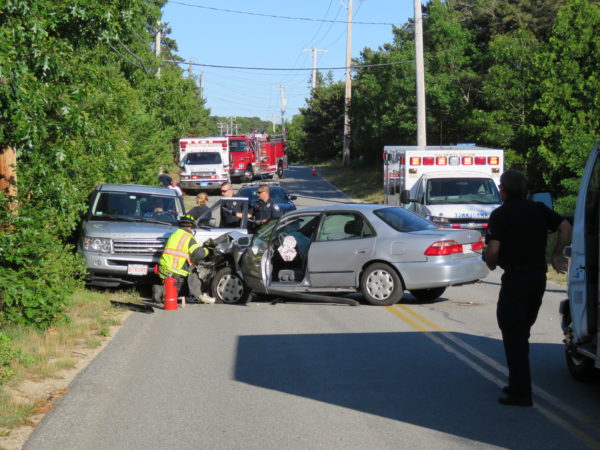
(216, 37)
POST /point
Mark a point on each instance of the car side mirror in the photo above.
(405, 197)
(293, 197)
(212, 222)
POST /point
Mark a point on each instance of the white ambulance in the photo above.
(453, 186)
(204, 163)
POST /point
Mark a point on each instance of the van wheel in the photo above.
(381, 285)
(580, 367)
(427, 295)
(228, 288)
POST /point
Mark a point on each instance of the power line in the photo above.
(276, 16)
(354, 66)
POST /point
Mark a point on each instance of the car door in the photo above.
(254, 261)
(585, 251)
(344, 242)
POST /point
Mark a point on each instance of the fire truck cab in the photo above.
(453, 186)
(257, 155)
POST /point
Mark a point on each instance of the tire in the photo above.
(580, 367)
(248, 175)
(427, 295)
(381, 285)
(279, 171)
(228, 288)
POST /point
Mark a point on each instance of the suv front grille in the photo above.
(139, 246)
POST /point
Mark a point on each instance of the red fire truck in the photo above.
(257, 155)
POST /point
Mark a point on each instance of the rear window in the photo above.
(404, 221)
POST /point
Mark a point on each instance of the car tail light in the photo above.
(183, 144)
(477, 245)
(444, 248)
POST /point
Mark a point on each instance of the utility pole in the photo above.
(274, 123)
(202, 85)
(283, 105)
(348, 96)
(420, 75)
(314, 71)
(157, 43)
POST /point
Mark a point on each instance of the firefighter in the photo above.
(265, 209)
(181, 250)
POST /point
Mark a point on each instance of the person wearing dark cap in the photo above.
(516, 241)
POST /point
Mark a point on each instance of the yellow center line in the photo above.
(476, 354)
(426, 321)
(407, 319)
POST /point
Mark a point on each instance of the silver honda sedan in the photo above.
(381, 251)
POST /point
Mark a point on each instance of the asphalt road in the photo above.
(299, 375)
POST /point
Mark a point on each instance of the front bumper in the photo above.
(110, 270)
(202, 184)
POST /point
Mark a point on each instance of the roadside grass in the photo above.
(360, 182)
(45, 353)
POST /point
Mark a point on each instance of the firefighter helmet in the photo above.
(186, 221)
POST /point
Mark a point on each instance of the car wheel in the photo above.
(228, 288)
(427, 295)
(381, 285)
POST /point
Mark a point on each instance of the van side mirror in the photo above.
(405, 197)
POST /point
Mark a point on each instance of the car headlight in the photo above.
(185, 177)
(95, 244)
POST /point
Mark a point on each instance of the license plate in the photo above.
(137, 269)
(467, 248)
(203, 184)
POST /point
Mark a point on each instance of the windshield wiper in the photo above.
(114, 217)
(150, 220)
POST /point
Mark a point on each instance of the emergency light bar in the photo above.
(452, 160)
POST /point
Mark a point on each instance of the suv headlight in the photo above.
(94, 244)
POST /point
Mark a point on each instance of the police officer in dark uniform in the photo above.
(516, 241)
(264, 209)
(231, 211)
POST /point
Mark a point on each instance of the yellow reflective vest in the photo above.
(178, 249)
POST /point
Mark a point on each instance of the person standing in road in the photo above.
(231, 211)
(516, 241)
(264, 209)
(175, 186)
(201, 208)
(181, 250)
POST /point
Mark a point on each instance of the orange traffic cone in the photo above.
(314, 172)
(170, 294)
